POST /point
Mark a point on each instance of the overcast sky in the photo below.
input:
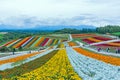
(29, 13)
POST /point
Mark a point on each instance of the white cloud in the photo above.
(59, 12)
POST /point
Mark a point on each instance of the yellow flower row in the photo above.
(57, 68)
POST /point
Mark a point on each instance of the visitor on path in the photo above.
(29, 51)
(108, 49)
(99, 49)
(118, 50)
(13, 51)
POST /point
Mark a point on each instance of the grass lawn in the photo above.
(116, 34)
(1, 36)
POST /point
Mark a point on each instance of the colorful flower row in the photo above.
(50, 41)
(32, 42)
(25, 66)
(57, 68)
(88, 41)
(39, 42)
(18, 58)
(102, 38)
(9, 42)
(23, 45)
(21, 42)
(107, 59)
(13, 43)
(44, 42)
(92, 69)
(95, 39)
(83, 35)
(112, 44)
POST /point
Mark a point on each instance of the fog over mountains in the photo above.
(57, 27)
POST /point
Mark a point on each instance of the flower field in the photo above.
(83, 35)
(106, 59)
(27, 67)
(60, 60)
(111, 44)
(92, 69)
(18, 58)
(60, 69)
(32, 42)
(96, 39)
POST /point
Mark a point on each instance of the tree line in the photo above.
(108, 29)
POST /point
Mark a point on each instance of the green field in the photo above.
(116, 34)
(1, 36)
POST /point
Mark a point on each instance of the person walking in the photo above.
(29, 51)
(13, 51)
(118, 50)
(108, 49)
(99, 49)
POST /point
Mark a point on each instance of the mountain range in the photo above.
(58, 27)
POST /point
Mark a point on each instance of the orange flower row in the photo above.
(114, 44)
(21, 42)
(31, 42)
(18, 58)
(96, 40)
(9, 42)
(108, 59)
(49, 42)
(93, 39)
(82, 35)
(39, 42)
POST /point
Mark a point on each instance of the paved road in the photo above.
(70, 37)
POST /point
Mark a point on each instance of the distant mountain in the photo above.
(4, 27)
(62, 27)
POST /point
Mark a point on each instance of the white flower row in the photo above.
(92, 69)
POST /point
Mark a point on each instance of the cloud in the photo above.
(84, 19)
(29, 13)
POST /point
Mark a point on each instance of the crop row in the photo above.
(18, 58)
(97, 39)
(83, 35)
(32, 42)
(27, 67)
(57, 68)
(92, 69)
(107, 59)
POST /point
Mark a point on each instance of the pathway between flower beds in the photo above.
(18, 58)
(27, 67)
(57, 68)
(106, 42)
(96, 51)
(108, 59)
(92, 69)
(10, 54)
